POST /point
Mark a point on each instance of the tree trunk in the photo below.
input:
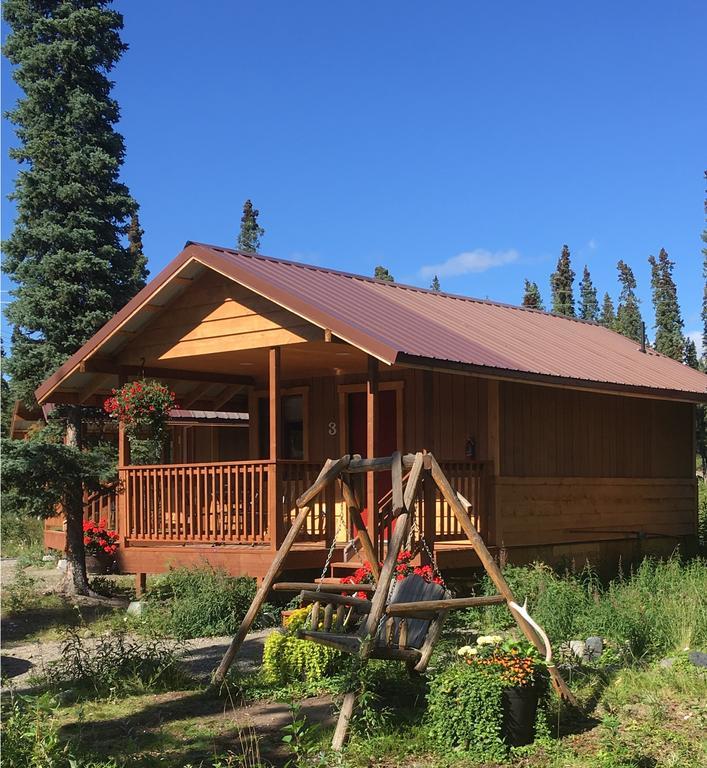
(76, 581)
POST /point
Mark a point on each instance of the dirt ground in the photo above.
(21, 660)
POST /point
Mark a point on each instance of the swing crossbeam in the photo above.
(402, 620)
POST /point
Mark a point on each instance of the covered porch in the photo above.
(225, 489)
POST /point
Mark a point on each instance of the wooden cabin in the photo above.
(568, 440)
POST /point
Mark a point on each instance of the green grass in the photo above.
(22, 537)
(635, 714)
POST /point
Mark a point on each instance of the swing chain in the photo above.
(428, 551)
(330, 553)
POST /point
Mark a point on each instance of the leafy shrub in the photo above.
(465, 711)
(659, 608)
(115, 664)
(200, 602)
(287, 659)
(22, 536)
(21, 594)
(30, 734)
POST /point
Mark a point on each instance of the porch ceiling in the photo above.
(213, 380)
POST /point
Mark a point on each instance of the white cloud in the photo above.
(592, 244)
(696, 336)
(478, 260)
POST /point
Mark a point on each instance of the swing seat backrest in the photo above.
(411, 589)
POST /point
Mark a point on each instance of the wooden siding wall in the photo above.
(201, 321)
(440, 413)
(581, 467)
(550, 432)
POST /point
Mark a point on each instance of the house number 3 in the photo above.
(332, 428)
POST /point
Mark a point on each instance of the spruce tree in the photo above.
(607, 318)
(691, 358)
(531, 296)
(137, 255)
(561, 282)
(66, 254)
(251, 231)
(381, 273)
(628, 315)
(435, 286)
(668, 321)
(704, 292)
(588, 302)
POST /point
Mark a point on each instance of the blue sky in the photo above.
(464, 138)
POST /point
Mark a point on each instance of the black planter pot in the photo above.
(520, 707)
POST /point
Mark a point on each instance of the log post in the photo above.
(372, 404)
(494, 573)
(275, 521)
(121, 496)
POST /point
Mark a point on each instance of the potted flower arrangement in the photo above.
(403, 568)
(143, 407)
(100, 545)
(522, 675)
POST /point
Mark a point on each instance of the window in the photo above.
(292, 427)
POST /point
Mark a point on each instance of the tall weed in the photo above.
(659, 608)
(115, 665)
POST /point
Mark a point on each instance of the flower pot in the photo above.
(520, 707)
(96, 566)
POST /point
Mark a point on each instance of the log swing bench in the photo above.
(402, 620)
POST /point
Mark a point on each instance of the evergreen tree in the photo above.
(381, 273)
(668, 322)
(66, 255)
(251, 231)
(588, 302)
(435, 284)
(628, 315)
(137, 255)
(561, 282)
(704, 292)
(607, 318)
(531, 296)
(691, 358)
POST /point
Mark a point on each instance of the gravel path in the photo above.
(21, 660)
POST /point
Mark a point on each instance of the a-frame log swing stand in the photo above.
(403, 623)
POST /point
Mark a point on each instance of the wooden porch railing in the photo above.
(435, 520)
(101, 505)
(215, 502)
(227, 502)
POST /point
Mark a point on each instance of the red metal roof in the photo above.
(404, 324)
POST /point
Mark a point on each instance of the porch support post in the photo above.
(121, 509)
(372, 404)
(494, 531)
(275, 521)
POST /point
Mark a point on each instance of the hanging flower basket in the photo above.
(143, 406)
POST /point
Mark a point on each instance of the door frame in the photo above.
(345, 389)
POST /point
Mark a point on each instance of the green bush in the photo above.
(22, 536)
(200, 602)
(287, 659)
(465, 712)
(30, 736)
(659, 608)
(115, 664)
(22, 593)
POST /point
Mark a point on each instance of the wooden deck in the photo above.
(185, 514)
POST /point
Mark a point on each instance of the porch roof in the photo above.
(406, 325)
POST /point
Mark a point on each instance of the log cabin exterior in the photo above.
(567, 439)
